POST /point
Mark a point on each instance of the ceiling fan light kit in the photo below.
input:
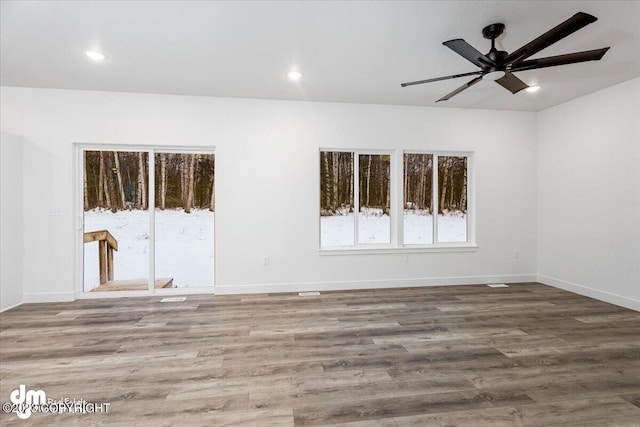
(499, 66)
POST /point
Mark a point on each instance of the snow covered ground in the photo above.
(375, 228)
(184, 246)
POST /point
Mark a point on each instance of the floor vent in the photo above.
(309, 294)
(498, 285)
(173, 299)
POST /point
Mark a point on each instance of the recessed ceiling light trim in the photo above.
(94, 55)
(294, 75)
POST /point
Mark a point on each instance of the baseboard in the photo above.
(140, 294)
(269, 288)
(10, 307)
(48, 297)
(620, 300)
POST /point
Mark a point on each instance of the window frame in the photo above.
(397, 244)
(79, 149)
(356, 202)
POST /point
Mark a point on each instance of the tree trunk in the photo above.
(212, 206)
(368, 177)
(109, 191)
(324, 156)
(183, 184)
(351, 185)
(445, 178)
(334, 192)
(142, 191)
(190, 184)
(101, 181)
(163, 180)
(119, 177)
(405, 189)
(463, 196)
(86, 190)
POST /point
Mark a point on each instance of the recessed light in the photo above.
(532, 89)
(94, 56)
(294, 75)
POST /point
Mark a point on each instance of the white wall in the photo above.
(589, 195)
(11, 235)
(267, 161)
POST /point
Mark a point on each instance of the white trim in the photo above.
(370, 284)
(151, 207)
(409, 249)
(48, 297)
(151, 150)
(10, 307)
(393, 229)
(435, 201)
(157, 292)
(604, 296)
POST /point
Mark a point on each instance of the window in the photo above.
(421, 227)
(452, 199)
(357, 204)
(148, 219)
(374, 207)
(418, 198)
(340, 223)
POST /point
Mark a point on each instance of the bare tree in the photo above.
(163, 180)
(142, 190)
(334, 166)
(324, 160)
(212, 203)
(86, 190)
(101, 185)
(446, 166)
(190, 184)
(119, 177)
(463, 196)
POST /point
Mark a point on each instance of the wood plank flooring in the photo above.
(526, 355)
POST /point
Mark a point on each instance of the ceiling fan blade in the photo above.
(437, 79)
(469, 52)
(511, 83)
(570, 26)
(552, 61)
(460, 89)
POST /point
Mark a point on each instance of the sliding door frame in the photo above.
(151, 150)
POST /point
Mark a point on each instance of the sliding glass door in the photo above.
(185, 202)
(137, 240)
(116, 221)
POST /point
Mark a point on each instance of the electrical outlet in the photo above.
(516, 253)
(266, 260)
(54, 212)
(406, 257)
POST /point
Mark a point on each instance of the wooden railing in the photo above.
(106, 245)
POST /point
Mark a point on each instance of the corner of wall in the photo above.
(11, 228)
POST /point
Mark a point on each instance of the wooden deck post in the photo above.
(106, 245)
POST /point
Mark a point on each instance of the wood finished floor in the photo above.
(527, 355)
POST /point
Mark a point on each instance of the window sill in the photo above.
(401, 250)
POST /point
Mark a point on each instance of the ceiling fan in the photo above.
(499, 66)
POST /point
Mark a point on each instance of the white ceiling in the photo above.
(355, 52)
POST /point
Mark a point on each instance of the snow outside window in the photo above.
(350, 179)
(421, 200)
(356, 200)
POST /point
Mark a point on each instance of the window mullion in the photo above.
(434, 203)
(356, 197)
